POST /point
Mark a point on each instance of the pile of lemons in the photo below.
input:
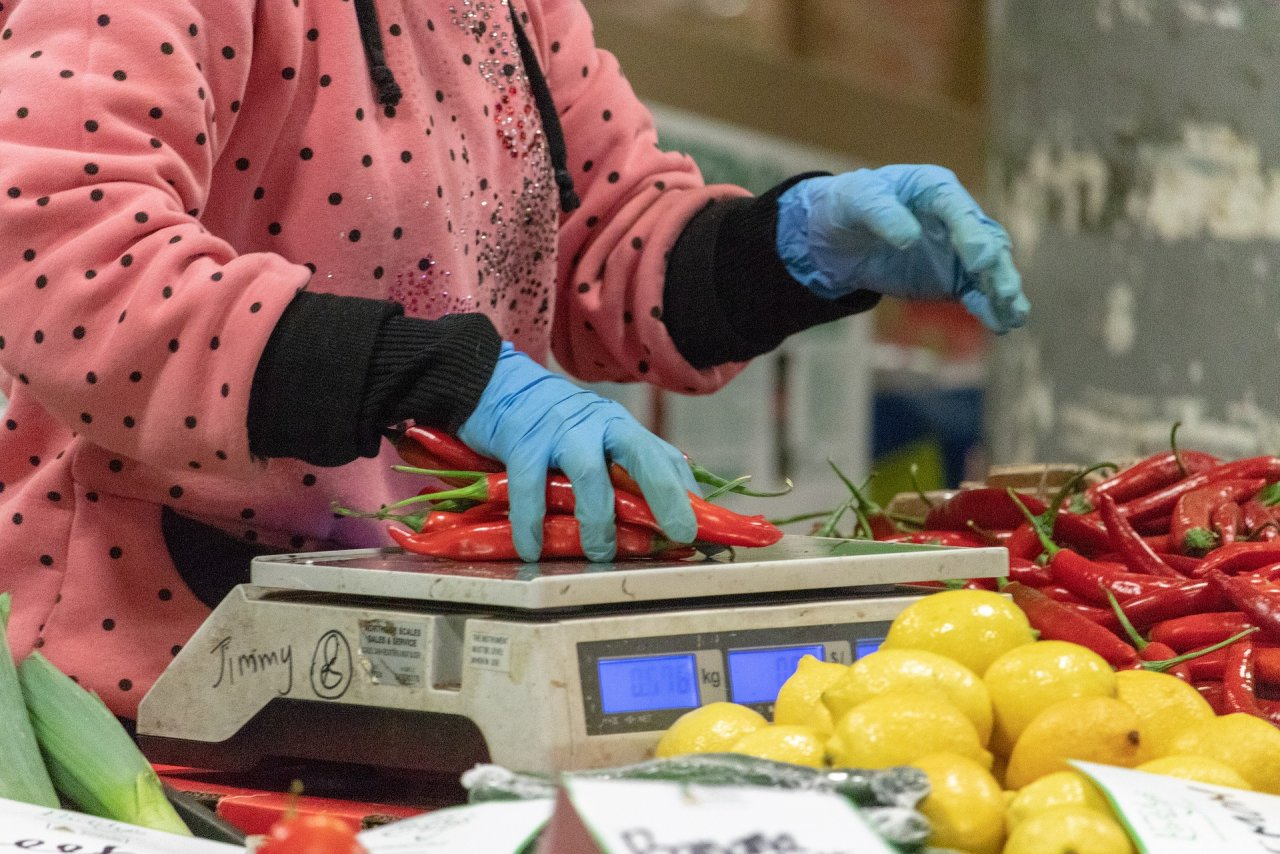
(962, 689)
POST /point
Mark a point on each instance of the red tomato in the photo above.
(311, 834)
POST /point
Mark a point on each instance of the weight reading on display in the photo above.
(755, 675)
(648, 684)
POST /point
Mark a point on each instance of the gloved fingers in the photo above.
(662, 473)
(863, 200)
(980, 306)
(527, 491)
(587, 470)
(977, 239)
(1003, 284)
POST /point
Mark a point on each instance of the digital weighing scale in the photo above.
(394, 660)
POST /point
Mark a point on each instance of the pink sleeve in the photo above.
(126, 319)
(636, 200)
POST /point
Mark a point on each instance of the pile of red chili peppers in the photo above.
(469, 521)
(1170, 564)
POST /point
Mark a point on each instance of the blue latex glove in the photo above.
(904, 231)
(532, 420)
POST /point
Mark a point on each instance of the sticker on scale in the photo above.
(490, 651)
(393, 652)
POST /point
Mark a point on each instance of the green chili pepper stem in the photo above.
(1037, 524)
(728, 487)
(1173, 446)
(860, 505)
(1162, 666)
(1051, 514)
(828, 528)
(710, 478)
(1134, 637)
(442, 473)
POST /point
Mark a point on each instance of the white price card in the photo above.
(24, 827)
(1166, 815)
(494, 827)
(647, 817)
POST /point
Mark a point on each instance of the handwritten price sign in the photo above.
(1165, 815)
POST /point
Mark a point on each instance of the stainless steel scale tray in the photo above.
(794, 563)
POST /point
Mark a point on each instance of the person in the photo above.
(241, 240)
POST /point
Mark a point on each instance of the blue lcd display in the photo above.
(648, 684)
(865, 646)
(755, 675)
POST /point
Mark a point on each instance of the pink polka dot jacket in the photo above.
(240, 239)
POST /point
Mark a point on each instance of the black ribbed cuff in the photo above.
(728, 296)
(431, 371)
(309, 386)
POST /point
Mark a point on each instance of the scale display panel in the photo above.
(643, 684)
(648, 683)
(755, 675)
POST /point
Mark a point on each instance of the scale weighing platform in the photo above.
(388, 659)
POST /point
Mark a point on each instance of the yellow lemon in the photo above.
(965, 804)
(1095, 729)
(1198, 769)
(1027, 680)
(798, 745)
(1069, 830)
(909, 669)
(895, 728)
(800, 697)
(712, 728)
(1248, 744)
(1059, 789)
(1165, 705)
(972, 626)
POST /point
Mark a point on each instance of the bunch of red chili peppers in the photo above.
(1171, 564)
(469, 521)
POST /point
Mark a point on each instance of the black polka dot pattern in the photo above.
(211, 177)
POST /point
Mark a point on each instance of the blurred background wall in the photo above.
(756, 91)
(1135, 158)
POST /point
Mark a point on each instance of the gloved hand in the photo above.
(532, 419)
(904, 231)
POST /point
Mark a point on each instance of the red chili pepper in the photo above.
(1192, 597)
(1239, 693)
(1161, 657)
(1208, 666)
(1227, 521)
(1061, 594)
(987, 507)
(927, 537)
(1057, 621)
(1184, 565)
(1029, 572)
(1163, 500)
(1197, 630)
(1211, 690)
(428, 448)
(1239, 557)
(1266, 664)
(1253, 516)
(716, 524)
(1191, 526)
(1137, 552)
(1087, 579)
(1158, 653)
(1261, 606)
(492, 541)
(1150, 474)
